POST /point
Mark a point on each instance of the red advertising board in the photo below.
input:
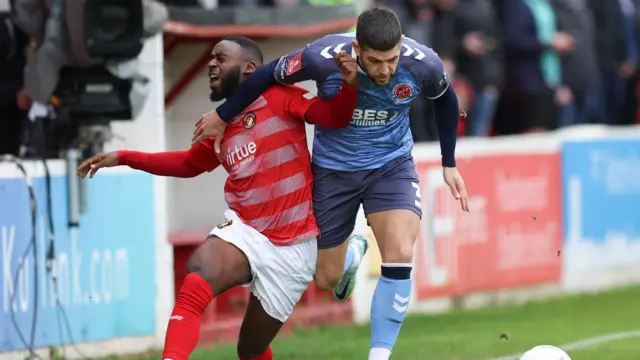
(511, 237)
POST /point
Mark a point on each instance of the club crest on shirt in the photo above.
(402, 91)
(249, 121)
(225, 224)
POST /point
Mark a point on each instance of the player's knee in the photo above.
(328, 275)
(196, 264)
(400, 253)
(325, 283)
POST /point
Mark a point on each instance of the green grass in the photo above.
(471, 335)
(619, 349)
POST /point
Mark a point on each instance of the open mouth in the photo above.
(213, 78)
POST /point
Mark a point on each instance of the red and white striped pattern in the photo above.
(270, 181)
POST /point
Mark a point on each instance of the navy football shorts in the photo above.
(337, 196)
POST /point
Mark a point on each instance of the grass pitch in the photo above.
(475, 335)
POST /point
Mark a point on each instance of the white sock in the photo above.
(378, 353)
(356, 254)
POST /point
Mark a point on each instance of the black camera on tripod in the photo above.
(86, 69)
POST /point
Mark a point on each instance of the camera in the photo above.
(85, 67)
(86, 101)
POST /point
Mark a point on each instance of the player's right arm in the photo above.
(335, 113)
(182, 164)
(309, 63)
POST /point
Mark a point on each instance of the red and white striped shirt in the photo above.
(265, 152)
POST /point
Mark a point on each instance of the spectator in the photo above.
(629, 71)
(580, 67)
(13, 101)
(479, 59)
(533, 46)
(443, 38)
(611, 50)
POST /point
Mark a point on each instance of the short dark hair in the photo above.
(378, 29)
(250, 47)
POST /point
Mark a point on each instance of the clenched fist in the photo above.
(348, 67)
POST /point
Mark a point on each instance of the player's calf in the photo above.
(395, 232)
(257, 332)
(388, 308)
(330, 266)
(356, 250)
(214, 267)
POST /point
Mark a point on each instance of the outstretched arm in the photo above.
(182, 164)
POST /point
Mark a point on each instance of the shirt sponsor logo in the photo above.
(241, 155)
(371, 117)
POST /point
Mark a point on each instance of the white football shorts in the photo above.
(280, 274)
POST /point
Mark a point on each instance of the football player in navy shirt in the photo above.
(369, 162)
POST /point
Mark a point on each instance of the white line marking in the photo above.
(585, 342)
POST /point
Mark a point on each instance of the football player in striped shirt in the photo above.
(269, 238)
(369, 162)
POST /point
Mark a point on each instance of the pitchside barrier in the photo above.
(550, 214)
(113, 288)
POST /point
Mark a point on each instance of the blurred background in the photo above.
(550, 150)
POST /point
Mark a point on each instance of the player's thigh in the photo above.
(336, 200)
(393, 206)
(283, 275)
(257, 331)
(220, 263)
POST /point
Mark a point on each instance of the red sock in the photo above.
(183, 331)
(266, 355)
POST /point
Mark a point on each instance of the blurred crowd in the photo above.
(223, 3)
(531, 65)
(517, 65)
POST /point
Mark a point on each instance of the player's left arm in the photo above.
(301, 65)
(447, 113)
(436, 85)
(335, 113)
(181, 163)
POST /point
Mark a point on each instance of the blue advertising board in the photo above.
(601, 190)
(105, 266)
